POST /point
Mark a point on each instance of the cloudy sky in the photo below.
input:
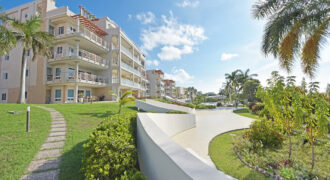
(195, 42)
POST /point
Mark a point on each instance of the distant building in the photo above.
(170, 88)
(181, 92)
(156, 85)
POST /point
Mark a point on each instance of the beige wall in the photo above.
(103, 92)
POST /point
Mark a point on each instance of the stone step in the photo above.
(57, 134)
(57, 129)
(55, 138)
(48, 154)
(53, 145)
(47, 175)
(58, 125)
(42, 165)
(58, 119)
(58, 122)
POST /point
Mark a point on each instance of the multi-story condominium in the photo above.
(156, 87)
(180, 92)
(170, 88)
(90, 57)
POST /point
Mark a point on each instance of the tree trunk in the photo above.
(119, 111)
(290, 146)
(313, 154)
(23, 77)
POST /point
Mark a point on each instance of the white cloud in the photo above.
(180, 76)
(129, 16)
(146, 18)
(188, 3)
(172, 37)
(152, 63)
(227, 56)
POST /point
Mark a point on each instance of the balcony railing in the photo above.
(130, 83)
(83, 55)
(85, 33)
(136, 59)
(129, 53)
(130, 68)
(69, 76)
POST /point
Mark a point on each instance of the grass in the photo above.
(222, 154)
(245, 112)
(17, 147)
(81, 120)
(163, 100)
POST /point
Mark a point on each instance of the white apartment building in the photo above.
(156, 85)
(170, 89)
(90, 56)
(181, 92)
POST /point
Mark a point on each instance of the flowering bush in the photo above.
(266, 132)
(257, 108)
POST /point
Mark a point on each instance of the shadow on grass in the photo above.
(70, 167)
(99, 115)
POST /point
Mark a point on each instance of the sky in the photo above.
(195, 42)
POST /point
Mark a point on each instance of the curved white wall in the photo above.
(161, 158)
(160, 107)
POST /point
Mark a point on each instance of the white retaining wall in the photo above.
(160, 157)
(160, 107)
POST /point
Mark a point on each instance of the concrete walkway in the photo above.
(45, 164)
(209, 123)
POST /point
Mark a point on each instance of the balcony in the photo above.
(86, 58)
(130, 68)
(126, 51)
(130, 83)
(84, 33)
(137, 60)
(83, 78)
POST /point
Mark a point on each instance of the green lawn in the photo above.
(245, 112)
(17, 147)
(222, 154)
(81, 120)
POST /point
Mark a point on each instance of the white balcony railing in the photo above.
(69, 76)
(130, 68)
(84, 32)
(128, 82)
(83, 55)
(129, 53)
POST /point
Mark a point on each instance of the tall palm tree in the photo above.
(124, 99)
(7, 38)
(245, 76)
(234, 80)
(30, 35)
(295, 28)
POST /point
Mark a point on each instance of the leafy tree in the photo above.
(295, 28)
(316, 112)
(124, 99)
(303, 85)
(250, 88)
(30, 35)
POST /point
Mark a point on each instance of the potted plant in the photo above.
(81, 97)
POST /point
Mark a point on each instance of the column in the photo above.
(78, 24)
(76, 83)
(77, 48)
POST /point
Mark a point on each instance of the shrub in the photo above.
(257, 108)
(202, 106)
(251, 104)
(191, 105)
(111, 148)
(266, 132)
(176, 112)
(132, 175)
(219, 104)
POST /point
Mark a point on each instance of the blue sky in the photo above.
(195, 42)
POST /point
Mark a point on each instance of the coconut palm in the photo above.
(124, 99)
(32, 37)
(245, 76)
(7, 38)
(295, 28)
(234, 80)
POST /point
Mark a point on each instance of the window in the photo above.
(28, 52)
(61, 30)
(58, 95)
(70, 95)
(6, 57)
(26, 16)
(27, 73)
(88, 93)
(71, 73)
(5, 76)
(51, 30)
(57, 73)
(71, 51)
(3, 96)
(72, 29)
(59, 50)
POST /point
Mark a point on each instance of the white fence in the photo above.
(160, 107)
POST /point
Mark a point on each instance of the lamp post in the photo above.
(28, 119)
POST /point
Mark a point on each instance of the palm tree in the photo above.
(234, 80)
(192, 92)
(7, 38)
(30, 36)
(124, 99)
(295, 28)
(245, 76)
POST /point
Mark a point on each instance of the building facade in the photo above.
(156, 85)
(90, 57)
(170, 89)
(181, 92)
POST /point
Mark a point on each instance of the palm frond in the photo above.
(127, 93)
(113, 93)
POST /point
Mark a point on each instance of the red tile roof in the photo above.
(90, 25)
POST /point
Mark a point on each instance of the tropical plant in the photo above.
(295, 28)
(233, 80)
(30, 35)
(250, 88)
(124, 99)
(7, 37)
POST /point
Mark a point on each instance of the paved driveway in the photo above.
(209, 123)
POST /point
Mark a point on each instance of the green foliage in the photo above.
(132, 175)
(202, 106)
(257, 107)
(219, 104)
(124, 99)
(176, 112)
(266, 132)
(191, 105)
(111, 148)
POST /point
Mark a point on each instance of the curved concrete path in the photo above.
(209, 123)
(45, 165)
